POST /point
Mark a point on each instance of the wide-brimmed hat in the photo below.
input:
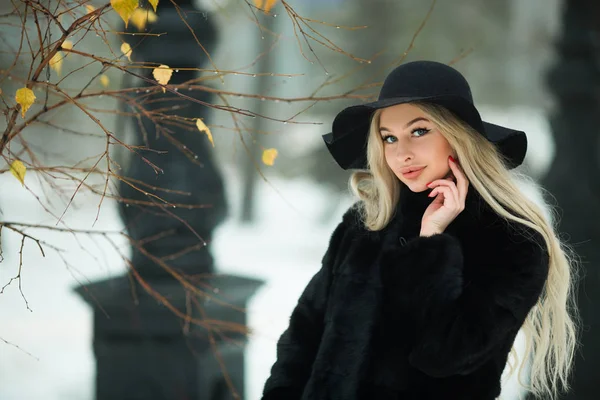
(418, 81)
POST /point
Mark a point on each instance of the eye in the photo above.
(418, 132)
(389, 139)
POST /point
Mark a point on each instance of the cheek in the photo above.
(440, 152)
(387, 155)
(442, 167)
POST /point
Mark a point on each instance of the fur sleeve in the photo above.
(298, 345)
(460, 318)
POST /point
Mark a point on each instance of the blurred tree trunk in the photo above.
(264, 65)
(574, 176)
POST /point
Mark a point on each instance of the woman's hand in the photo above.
(448, 203)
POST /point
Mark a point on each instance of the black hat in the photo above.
(422, 81)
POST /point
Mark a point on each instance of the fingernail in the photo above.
(452, 159)
(429, 183)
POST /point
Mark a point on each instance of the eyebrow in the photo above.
(383, 128)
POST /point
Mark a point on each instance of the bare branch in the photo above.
(17, 347)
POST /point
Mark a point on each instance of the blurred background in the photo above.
(77, 327)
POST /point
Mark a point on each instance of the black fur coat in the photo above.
(391, 315)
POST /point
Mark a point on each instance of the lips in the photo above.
(410, 168)
(412, 172)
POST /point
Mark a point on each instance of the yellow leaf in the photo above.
(203, 128)
(104, 80)
(67, 44)
(140, 17)
(56, 62)
(154, 4)
(18, 169)
(269, 156)
(162, 74)
(25, 98)
(90, 9)
(265, 5)
(268, 5)
(124, 8)
(126, 49)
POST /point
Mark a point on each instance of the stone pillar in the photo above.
(143, 350)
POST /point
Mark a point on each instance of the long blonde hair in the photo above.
(551, 326)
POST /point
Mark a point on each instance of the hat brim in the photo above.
(347, 142)
(511, 142)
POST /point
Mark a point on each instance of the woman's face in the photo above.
(412, 142)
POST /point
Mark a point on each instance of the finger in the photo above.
(450, 184)
(439, 197)
(461, 178)
(449, 196)
(445, 182)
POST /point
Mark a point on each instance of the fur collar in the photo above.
(405, 224)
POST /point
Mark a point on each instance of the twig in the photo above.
(17, 347)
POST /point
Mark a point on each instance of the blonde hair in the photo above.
(551, 326)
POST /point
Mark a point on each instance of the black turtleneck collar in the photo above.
(411, 207)
(411, 203)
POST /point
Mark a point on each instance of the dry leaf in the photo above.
(124, 8)
(25, 98)
(269, 5)
(162, 74)
(56, 62)
(265, 5)
(269, 156)
(90, 9)
(203, 128)
(18, 169)
(154, 4)
(67, 44)
(126, 49)
(104, 80)
(141, 17)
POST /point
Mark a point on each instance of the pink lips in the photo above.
(413, 174)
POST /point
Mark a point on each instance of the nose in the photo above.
(403, 154)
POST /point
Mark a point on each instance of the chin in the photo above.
(416, 187)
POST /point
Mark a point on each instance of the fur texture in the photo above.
(391, 315)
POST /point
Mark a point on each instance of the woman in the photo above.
(432, 273)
